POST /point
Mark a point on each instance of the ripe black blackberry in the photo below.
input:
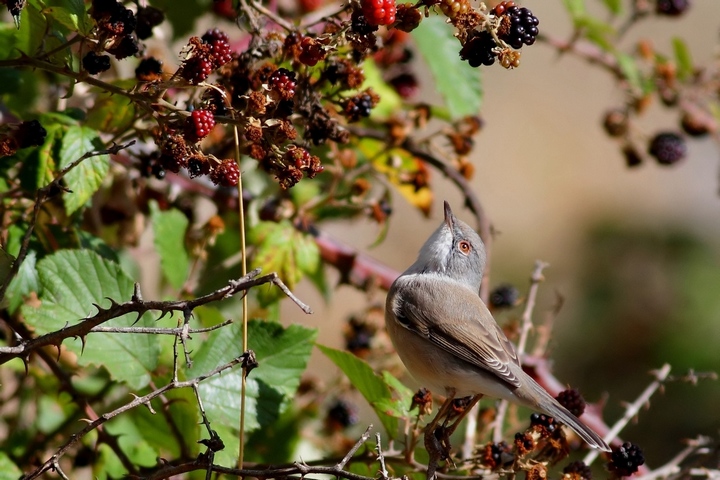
(147, 18)
(341, 415)
(544, 422)
(578, 471)
(632, 156)
(30, 133)
(668, 148)
(149, 69)
(572, 400)
(360, 25)
(672, 8)
(358, 107)
(358, 337)
(94, 63)
(126, 47)
(198, 165)
(495, 455)
(504, 296)
(518, 26)
(626, 459)
(283, 82)
(226, 174)
(121, 21)
(478, 49)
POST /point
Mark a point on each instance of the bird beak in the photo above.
(449, 217)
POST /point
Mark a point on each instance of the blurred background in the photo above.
(635, 253)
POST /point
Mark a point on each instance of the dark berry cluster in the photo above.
(25, 134)
(479, 49)
(518, 26)
(358, 336)
(668, 148)
(626, 459)
(495, 455)
(149, 69)
(219, 46)
(572, 400)
(311, 51)
(524, 443)
(407, 17)
(379, 12)
(542, 423)
(358, 107)
(226, 173)
(116, 26)
(504, 296)
(341, 414)
(283, 82)
(577, 470)
(200, 124)
(147, 19)
(206, 55)
(94, 63)
(672, 8)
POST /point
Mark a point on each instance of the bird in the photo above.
(447, 338)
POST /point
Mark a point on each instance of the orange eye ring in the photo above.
(464, 247)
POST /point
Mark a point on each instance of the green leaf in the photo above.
(112, 113)
(85, 179)
(390, 101)
(71, 281)
(169, 233)
(281, 248)
(38, 163)
(683, 58)
(576, 8)
(457, 81)
(368, 383)
(282, 355)
(64, 17)
(25, 281)
(630, 71)
(19, 90)
(596, 31)
(30, 35)
(615, 6)
(8, 469)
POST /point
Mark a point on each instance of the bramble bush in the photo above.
(234, 147)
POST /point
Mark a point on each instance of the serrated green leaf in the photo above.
(368, 383)
(456, 80)
(39, 163)
(282, 355)
(8, 469)
(25, 281)
(71, 281)
(630, 71)
(112, 113)
(169, 235)
(683, 58)
(63, 16)
(29, 37)
(85, 179)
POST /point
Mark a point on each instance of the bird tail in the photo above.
(547, 404)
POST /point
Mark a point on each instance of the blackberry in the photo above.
(358, 337)
(626, 459)
(357, 107)
(126, 47)
(311, 51)
(121, 21)
(495, 455)
(283, 81)
(158, 171)
(149, 69)
(196, 69)
(407, 17)
(578, 471)
(30, 134)
(545, 423)
(94, 63)
(147, 18)
(405, 84)
(360, 25)
(478, 49)
(101, 8)
(379, 12)
(668, 148)
(200, 124)
(518, 26)
(504, 296)
(219, 46)
(524, 443)
(197, 165)
(226, 174)
(697, 124)
(616, 123)
(632, 156)
(572, 400)
(672, 8)
(341, 415)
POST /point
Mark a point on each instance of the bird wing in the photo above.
(460, 324)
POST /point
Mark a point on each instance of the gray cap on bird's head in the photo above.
(454, 250)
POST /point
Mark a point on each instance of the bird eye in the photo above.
(464, 247)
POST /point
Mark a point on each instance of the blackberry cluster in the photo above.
(359, 336)
(543, 423)
(200, 124)
(30, 134)
(126, 46)
(116, 25)
(311, 51)
(357, 107)
(504, 296)
(283, 82)
(407, 17)
(577, 470)
(572, 400)
(196, 69)
(341, 415)
(198, 165)
(672, 8)
(359, 24)
(626, 459)
(379, 12)
(219, 46)
(206, 55)
(478, 49)
(149, 69)
(226, 174)
(668, 148)
(518, 26)
(94, 63)
(147, 19)
(524, 443)
(495, 455)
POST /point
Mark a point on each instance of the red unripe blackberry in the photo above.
(30, 134)
(149, 69)
(196, 69)
(572, 400)
(226, 174)
(405, 84)
(311, 51)
(94, 63)
(626, 459)
(379, 12)
(200, 123)
(500, 8)
(219, 46)
(478, 49)
(578, 471)
(147, 18)
(518, 26)
(282, 81)
(668, 148)
(672, 8)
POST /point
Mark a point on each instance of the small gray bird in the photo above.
(447, 337)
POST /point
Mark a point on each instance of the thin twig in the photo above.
(361, 441)
(673, 466)
(381, 457)
(158, 331)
